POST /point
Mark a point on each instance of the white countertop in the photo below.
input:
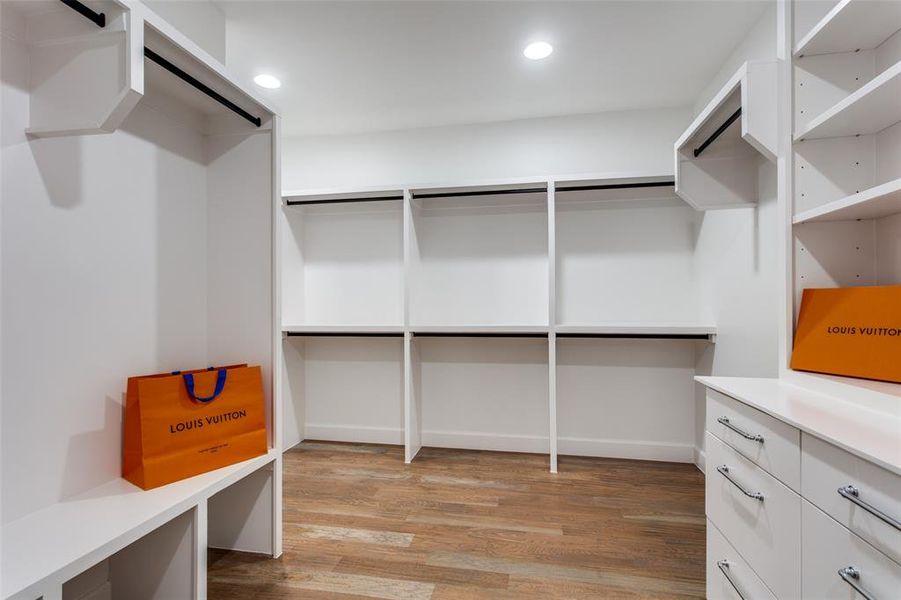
(866, 431)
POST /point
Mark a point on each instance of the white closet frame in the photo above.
(88, 80)
(547, 329)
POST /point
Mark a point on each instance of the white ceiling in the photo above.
(366, 66)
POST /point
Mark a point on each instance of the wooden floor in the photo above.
(463, 524)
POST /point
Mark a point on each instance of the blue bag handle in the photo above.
(220, 384)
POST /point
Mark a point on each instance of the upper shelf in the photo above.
(852, 25)
(715, 159)
(88, 74)
(870, 109)
(341, 197)
(676, 330)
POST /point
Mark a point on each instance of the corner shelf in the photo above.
(872, 108)
(850, 26)
(723, 174)
(874, 203)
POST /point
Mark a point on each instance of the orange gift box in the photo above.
(181, 424)
(850, 331)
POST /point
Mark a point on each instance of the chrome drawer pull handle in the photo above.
(748, 436)
(724, 471)
(851, 576)
(724, 567)
(852, 494)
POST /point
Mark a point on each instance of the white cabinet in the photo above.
(861, 496)
(771, 444)
(758, 514)
(838, 564)
(800, 502)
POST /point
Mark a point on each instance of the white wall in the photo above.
(737, 256)
(601, 142)
(759, 44)
(200, 20)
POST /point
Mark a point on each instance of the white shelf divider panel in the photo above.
(850, 26)
(870, 109)
(47, 548)
(714, 160)
(874, 203)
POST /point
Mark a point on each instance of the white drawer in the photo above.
(728, 575)
(767, 531)
(830, 548)
(826, 468)
(774, 446)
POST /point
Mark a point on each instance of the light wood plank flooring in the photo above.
(475, 525)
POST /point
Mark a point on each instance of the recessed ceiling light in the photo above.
(538, 50)
(269, 82)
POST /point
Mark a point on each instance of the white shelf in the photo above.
(314, 197)
(724, 175)
(342, 329)
(638, 329)
(870, 109)
(465, 330)
(852, 25)
(64, 539)
(874, 203)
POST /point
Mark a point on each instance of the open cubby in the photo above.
(609, 400)
(344, 388)
(159, 236)
(486, 393)
(343, 262)
(846, 202)
(479, 259)
(618, 251)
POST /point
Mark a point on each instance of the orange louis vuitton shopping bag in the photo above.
(181, 424)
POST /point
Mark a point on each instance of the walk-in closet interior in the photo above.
(430, 300)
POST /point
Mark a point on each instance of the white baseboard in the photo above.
(468, 440)
(354, 433)
(631, 449)
(701, 460)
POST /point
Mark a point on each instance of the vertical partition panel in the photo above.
(412, 399)
(552, 312)
(240, 516)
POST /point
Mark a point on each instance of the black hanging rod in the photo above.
(639, 336)
(615, 186)
(479, 193)
(201, 86)
(480, 334)
(343, 200)
(718, 132)
(390, 334)
(99, 19)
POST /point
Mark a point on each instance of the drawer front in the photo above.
(826, 468)
(830, 548)
(767, 531)
(728, 575)
(774, 446)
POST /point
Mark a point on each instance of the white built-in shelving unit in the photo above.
(157, 234)
(716, 156)
(431, 315)
(845, 190)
